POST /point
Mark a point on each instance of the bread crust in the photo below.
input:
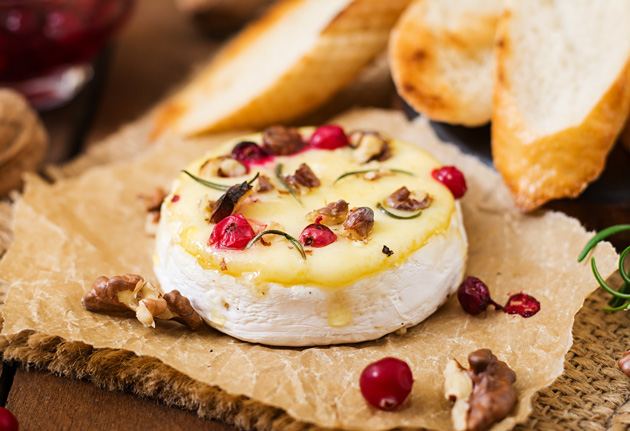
(349, 41)
(421, 54)
(537, 169)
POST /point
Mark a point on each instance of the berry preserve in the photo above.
(44, 38)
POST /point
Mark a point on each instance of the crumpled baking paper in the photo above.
(69, 233)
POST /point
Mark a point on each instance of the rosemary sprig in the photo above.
(621, 297)
(396, 216)
(216, 186)
(293, 241)
(206, 183)
(365, 171)
(284, 183)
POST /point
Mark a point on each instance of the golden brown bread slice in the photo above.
(285, 64)
(561, 97)
(441, 54)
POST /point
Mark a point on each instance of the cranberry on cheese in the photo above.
(364, 240)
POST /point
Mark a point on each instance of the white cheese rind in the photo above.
(399, 297)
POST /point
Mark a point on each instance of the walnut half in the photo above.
(131, 292)
(483, 395)
(304, 179)
(331, 214)
(624, 363)
(359, 223)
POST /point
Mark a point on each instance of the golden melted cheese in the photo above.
(336, 265)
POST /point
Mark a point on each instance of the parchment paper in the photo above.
(69, 233)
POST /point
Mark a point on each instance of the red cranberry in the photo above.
(452, 178)
(233, 233)
(385, 384)
(474, 296)
(522, 304)
(317, 235)
(248, 152)
(328, 137)
(8, 422)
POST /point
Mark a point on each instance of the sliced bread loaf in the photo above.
(562, 94)
(441, 55)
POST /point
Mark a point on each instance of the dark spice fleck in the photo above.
(386, 250)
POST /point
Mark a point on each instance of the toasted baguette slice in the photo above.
(441, 54)
(562, 94)
(287, 63)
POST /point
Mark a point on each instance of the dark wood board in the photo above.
(44, 402)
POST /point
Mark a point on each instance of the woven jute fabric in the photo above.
(592, 393)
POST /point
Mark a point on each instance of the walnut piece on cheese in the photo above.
(264, 184)
(131, 292)
(303, 180)
(282, 141)
(332, 214)
(483, 395)
(404, 200)
(225, 167)
(359, 223)
(369, 146)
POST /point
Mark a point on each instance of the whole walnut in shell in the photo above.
(23, 140)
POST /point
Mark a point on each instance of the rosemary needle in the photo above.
(216, 186)
(293, 241)
(396, 216)
(284, 183)
(365, 171)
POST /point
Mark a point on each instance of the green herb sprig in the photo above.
(293, 241)
(396, 216)
(621, 298)
(216, 186)
(365, 171)
(284, 183)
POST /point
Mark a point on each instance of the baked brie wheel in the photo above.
(302, 237)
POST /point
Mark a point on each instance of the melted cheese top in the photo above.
(333, 266)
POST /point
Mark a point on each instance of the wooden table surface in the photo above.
(124, 88)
